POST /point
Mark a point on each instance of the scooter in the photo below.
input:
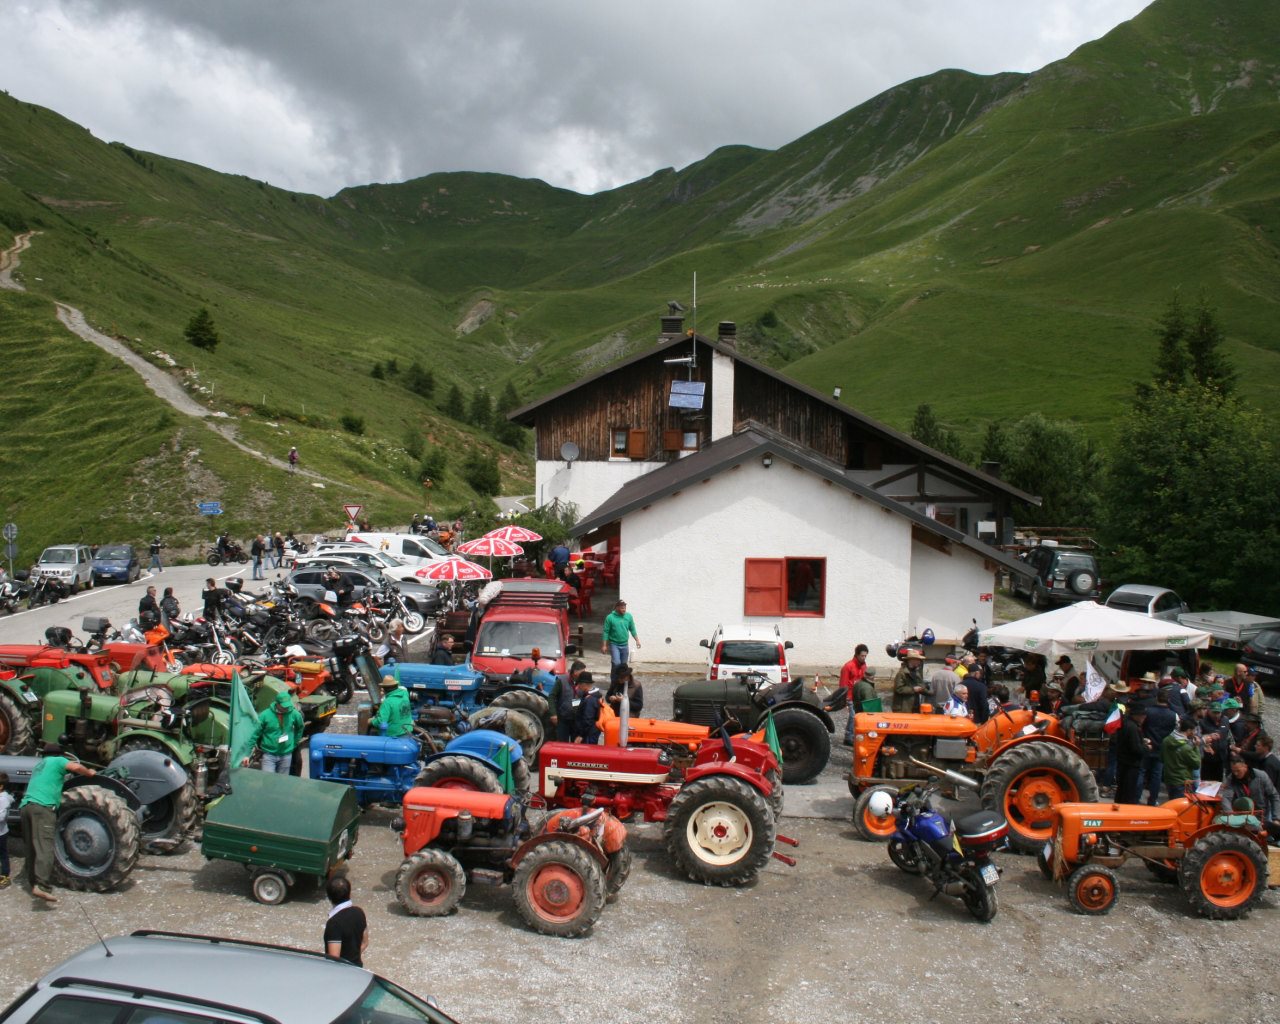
(955, 858)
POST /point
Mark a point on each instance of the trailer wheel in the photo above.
(1224, 875)
(431, 883)
(16, 734)
(1093, 889)
(1028, 781)
(457, 772)
(870, 828)
(719, 831)
(559, 890)
(805, 744)
(270, 888)
(95, 840)
(537, 708)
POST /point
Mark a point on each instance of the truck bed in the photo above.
(1231, 630)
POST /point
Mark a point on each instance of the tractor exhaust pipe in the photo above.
(624, 716)
(946, 773)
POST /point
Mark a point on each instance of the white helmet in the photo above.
(881, 804)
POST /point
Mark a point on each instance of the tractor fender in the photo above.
(744, 774)
(148, 774)
(110, 785)
(174, 750)
(534, 842)
(481, 744)
(786, 705)
(1036, 737)
(1195, 837)
(507, 687)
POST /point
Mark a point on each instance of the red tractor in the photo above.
(562, 871)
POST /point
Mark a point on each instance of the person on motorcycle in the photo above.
(395, 715)
(909, 682)
(223, 544)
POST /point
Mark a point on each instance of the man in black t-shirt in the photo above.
(346, 934)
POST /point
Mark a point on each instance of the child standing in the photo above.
(6, 801)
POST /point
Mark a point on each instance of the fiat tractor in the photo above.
(1219, 859)
(562, 871)
(1026, 761)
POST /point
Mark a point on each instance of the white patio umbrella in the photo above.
(1087, 626)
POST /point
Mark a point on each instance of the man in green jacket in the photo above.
(1181, 757)
(619, 630)
(908, 684)
(278, 735)
(395, 716)
(39, 809)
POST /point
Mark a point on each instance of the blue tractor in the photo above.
(382, 770)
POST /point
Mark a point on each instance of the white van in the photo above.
(411, 548)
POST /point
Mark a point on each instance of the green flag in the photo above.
(244, 722)
(771, 737)
(503, 759)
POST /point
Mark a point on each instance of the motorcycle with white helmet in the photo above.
(955, 857)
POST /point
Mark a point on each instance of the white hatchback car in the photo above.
(743, 648)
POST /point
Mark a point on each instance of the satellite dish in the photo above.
(569, 451)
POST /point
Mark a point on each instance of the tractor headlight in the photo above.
(397, 825)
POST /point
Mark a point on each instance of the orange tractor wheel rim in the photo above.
(1228, 878)
(556, 892)
(1095, 892)
(1031, 797)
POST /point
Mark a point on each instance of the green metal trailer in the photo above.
(281, 826)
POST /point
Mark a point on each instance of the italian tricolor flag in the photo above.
(1114, 720)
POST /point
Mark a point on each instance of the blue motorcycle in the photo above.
(955, 858)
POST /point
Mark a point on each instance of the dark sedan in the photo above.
(116, 563)
(1262, 656)
(309, 580)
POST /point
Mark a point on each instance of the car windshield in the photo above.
(115, 551)
(1133, 602)
(749, 652)
(517, 639)
(54, 556)
(385, 1003)
(435, 547)
(1268, 638)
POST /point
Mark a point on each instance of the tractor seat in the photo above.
(792, 691)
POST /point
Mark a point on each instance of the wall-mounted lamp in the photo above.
(835, 392)
(766, 460)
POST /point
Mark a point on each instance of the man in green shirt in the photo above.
(619, 630)
(278, 735)
(1181, 758)
(39, 809)
(395, 716)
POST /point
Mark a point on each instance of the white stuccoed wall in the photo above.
(946, 591)
(586, 484)
(682, 562)
(721, 396)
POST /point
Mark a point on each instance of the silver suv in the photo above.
(188, 979)
(69, 564)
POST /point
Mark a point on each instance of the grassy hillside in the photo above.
(991, 244)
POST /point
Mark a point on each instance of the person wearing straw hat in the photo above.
(395, 715)
(908, 683)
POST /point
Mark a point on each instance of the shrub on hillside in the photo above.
(200, 331)
(351, 423)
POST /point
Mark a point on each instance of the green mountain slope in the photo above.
(990, 244)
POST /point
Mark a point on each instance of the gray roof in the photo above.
(525, 413)
(748, 444)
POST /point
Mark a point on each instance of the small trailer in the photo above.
(1230, 630)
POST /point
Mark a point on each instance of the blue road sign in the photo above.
(209, 508)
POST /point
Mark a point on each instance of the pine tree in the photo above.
(1171, 360)
(481, 412)
(1209, 366)
(455, 406)
(200, 331)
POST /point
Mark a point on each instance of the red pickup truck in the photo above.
(527, 613)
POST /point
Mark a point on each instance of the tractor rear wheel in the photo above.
(774, 778)
(719, 830)
(1028, 781)
(170, 820)
(95, 840)
(1093, 889)
(522, 777)
(805, 744)
(559, 889)
(431, 883)
(457, 772)
(1224, 875)
(16, 734)
(870, 828)
(536, 708)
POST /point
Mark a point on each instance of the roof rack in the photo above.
(218, 940)
(139, 991)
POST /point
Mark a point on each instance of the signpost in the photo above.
(10, 547)
(209, 508)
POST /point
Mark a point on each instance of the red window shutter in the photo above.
(765, 589)
(637, 444)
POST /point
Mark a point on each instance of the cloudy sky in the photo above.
(315, 95)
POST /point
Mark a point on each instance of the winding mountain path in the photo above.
(161, 383)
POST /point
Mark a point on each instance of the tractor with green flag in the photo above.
(279, 827)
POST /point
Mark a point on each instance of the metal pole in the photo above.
(624, 713)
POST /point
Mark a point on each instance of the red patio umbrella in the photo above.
(454, 569)
(491, 546)
(515, 534)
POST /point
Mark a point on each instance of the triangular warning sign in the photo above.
(352, 511)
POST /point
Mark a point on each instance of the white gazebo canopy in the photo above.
(1086, 627)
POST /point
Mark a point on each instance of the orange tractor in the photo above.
(1220, 861)
(1027, 762)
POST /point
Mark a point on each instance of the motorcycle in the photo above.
(12, 592)
(391, 604)
(955, 858)
(233, 552)
(45, 590)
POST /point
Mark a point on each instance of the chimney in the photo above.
(672, 326)
(991, 469)
(727, 333)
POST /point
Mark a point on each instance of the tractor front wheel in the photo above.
(457, 772)
(1092, 889)
(559, 889)
(1224, 875)
(719, 830)
(618, 872)
(805, 745)
(1028, 781)
(870, 828)
(95, 840)
(431, 883)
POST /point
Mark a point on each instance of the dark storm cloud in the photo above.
(318, 94)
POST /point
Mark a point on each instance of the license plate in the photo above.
(29, 697)
(1263, 670)
(989, 874)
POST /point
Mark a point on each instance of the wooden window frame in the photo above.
(765, 588)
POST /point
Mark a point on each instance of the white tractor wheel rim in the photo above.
(719, 833)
